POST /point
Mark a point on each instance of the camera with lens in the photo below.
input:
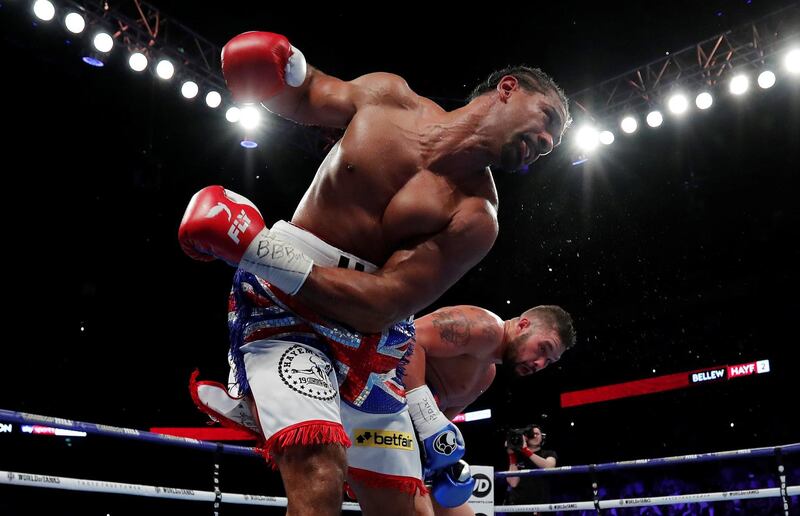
(515, 437)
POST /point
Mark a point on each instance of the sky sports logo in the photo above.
(729, 372)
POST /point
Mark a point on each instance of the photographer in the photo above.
(524, 447)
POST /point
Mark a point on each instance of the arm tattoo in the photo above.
(453, 325)
(490, 331)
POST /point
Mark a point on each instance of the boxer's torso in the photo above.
(459, 345)
(458, 381)
(381, 188)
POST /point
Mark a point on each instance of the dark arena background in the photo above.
(675, 248)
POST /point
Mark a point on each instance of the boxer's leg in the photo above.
(296, 405)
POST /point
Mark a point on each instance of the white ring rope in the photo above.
(15, 478)
(102, 486)
(770, 492)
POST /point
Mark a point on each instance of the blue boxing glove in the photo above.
(441, 439)
(453, 486)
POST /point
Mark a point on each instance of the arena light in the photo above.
(739, 84)
(478, 415)
(165, 69)
(250, 117)
(189, 89)
(233, 115)
(103, 42)
(48, 430)
(587, 138)
(704, 100)
(629, 124)
(468, 417)
(606, 137)
(678, 104)
(213, 99)
(654, 118)
(792, 61)
(44, 10)
(93, 60)
(766, 79)
(74, 23)
(137, 62)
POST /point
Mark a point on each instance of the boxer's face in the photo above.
(535, 348)
(533, 125)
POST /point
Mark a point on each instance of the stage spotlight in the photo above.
(739, 84)
(213, 99)
(606, 137)
(629, 124)
(678, 104)
(74, 23)
(792, 61)
(587, 138)
(654, 118)
(103, 42)
(44, 10)
(165, 69)
(189, 89)
(233, 114)
(250, 117)
(704, 100)
(766, 79)
(137, 62)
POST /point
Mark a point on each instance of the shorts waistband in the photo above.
(320, 252)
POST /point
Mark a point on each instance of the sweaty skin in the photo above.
(459, 380)
(459, 347)
(456, 355)
(408, 186)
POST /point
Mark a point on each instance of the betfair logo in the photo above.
(384, 439)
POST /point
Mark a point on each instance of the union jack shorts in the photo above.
(308, 374)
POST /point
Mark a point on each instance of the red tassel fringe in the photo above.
(305, 434)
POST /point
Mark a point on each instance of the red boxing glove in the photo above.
(220, 224)
(258, 65)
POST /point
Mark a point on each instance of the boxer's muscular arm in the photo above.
(410, 280)
(456, 331)
(264, 66)
(451, 332)
(327, 101)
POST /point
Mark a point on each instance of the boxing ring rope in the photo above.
(101, 486)
(15, 478)
(783, 492)
(722, 496)
(661, 461)
(22, 418)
